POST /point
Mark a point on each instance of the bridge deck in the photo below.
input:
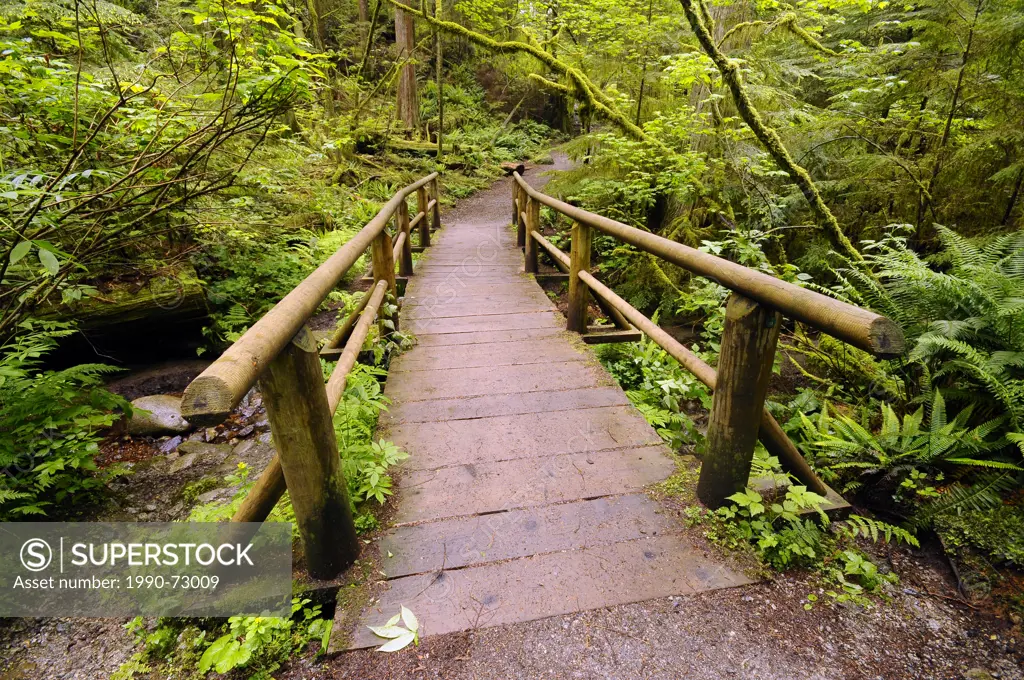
(523, 496)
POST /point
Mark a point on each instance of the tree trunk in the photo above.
(438, 6)
(364, 10)
(405, 41)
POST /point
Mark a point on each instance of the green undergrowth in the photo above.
(257, 646)
(252, 645)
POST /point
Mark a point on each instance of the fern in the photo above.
(985, 493)
(857, 525)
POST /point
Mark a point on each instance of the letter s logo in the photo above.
(36, 554)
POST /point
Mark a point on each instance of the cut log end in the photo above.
(886, 338)
(510, 168)
(207, 401)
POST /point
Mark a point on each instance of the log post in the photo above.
(402, 225)
(384, 268)
(532, 225)
(424, 225)
(749, 338)
(435, 190)
(518, 205)
(516, 209)
(579, 260)
(293, 391)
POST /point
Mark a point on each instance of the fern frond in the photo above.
(857, 525)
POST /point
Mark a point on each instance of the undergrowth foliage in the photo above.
(53, 422)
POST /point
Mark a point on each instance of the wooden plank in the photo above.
(473, 489)
(502, 404)
(532, 435)
(471, 382)
(596, 335)
(465, 541)
(515, 335)
(547, 585)
(537, 351)
(493, 322)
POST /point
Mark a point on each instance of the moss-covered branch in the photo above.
(787, 22)
(582, 87)
(770, 139)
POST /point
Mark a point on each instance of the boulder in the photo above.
(157, 414)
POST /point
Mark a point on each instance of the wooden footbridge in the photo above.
(524, 492)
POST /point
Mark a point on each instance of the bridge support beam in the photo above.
(300, 420)
(749, 338)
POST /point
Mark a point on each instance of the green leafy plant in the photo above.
(261, 643)
(51, 424)
(903, 446)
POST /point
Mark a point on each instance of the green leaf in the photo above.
(19, 251)
(215, 651)
(49, 261)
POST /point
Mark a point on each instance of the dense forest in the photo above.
(170, 170)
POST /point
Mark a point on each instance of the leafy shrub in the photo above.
(256, 645)
(962, 313)
(363, 460)
(900, 447)
(50, 424)
(659, 387)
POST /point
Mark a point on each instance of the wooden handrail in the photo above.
(750, 335)
(211, 397)
(861, 328)
(280, 351)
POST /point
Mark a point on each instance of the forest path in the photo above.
(523, 494)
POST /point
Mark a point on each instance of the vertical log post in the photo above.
(402, 224)
(435, 189)
(424, 225)
(532, 225)
(744, 367)
(384, 268)
(293, 391)
(518, 207)
(579, 260)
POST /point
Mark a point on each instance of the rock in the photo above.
(978, 674)
(183, 463)
(170, 445)
(164, 416)
(194, 453)
(215, 495)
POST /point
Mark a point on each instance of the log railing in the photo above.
(279, 351)
(753, 317)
